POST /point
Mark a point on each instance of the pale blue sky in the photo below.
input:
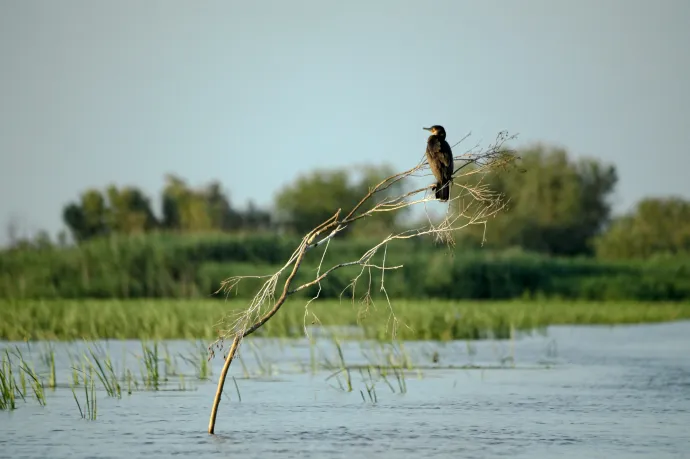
(125, 91)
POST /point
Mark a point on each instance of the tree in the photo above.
(311, 198)
(88, 217)
(129, 211)
(556, 206)
(656, 226)
(190, 210)
(125, 210)
(183, 208)
(223, 216)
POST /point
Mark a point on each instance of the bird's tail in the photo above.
(442, 192)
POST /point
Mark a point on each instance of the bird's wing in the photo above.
(446, 155)
(433, 146)
(433, 155)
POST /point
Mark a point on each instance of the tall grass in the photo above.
(150, 371)
(90, 411)
(49, 362)
(9, 389)
(8, 385)
(418, 319)
(386, 364)
(93, 371)
(103, 367)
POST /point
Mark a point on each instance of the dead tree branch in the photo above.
(469, 205)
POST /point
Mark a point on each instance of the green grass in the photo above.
(12, 364)
(433, 319)
(90, 413)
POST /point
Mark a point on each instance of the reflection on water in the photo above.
(580, 392)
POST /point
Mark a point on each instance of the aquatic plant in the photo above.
(106, 373)
(150, 372)
(91, 412)
(199, 360)
(8, 385)
(438, 320)
(9, 389)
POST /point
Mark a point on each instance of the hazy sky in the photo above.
(253, 93)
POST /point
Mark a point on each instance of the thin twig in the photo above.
(471, 205)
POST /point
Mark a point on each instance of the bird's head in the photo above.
(436, 130)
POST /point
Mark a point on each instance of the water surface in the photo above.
(575, 392)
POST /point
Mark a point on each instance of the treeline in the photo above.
(126, 210)
(298, 207)
(556, 238)
(557, 206)
(193, 267)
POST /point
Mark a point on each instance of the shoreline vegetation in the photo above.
(442, 320)
(192, 267)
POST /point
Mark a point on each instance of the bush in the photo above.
(168, 266)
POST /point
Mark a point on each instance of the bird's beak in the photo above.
(426, 129)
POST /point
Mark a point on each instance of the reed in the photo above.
(103, 367)
(150, 371)
(91, 405)
(418, 320)
(199, 359)
(8, 385)
(49, 361)
(9, 388)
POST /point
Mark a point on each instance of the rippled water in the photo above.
(580, 392)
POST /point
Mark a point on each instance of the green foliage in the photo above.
(207, 209)
(418, 320)
(657, 227)
(87, 219)
(128, 211)
(555, 206)
(168, 266)
(316, 196)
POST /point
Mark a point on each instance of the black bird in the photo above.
(440, 158)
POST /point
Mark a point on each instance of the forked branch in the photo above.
(472, 202)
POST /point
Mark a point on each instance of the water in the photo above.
(578, 392)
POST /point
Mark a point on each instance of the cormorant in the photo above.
(440, 158)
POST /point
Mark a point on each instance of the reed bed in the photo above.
(91, 372)
(415, 319)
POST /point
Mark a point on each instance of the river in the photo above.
(569, 392)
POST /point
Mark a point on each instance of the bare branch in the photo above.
(469, 205)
